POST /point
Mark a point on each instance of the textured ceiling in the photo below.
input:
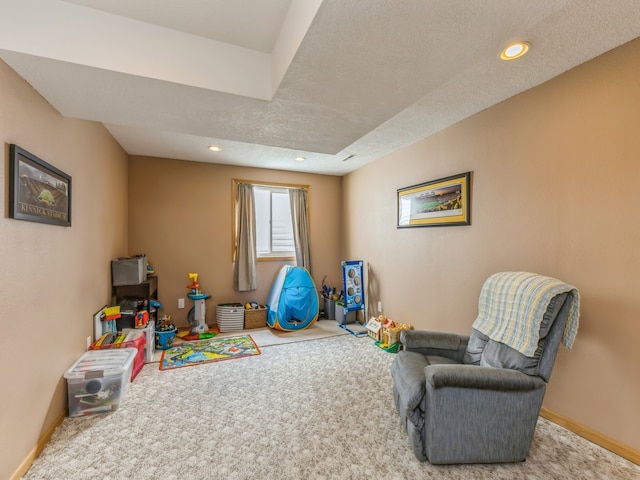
(272, 80)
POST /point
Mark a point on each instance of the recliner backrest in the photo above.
(483, 351)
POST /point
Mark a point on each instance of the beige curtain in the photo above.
(300, 222)
(245, 272)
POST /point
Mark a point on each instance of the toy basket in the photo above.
(230, 317)
(164, 338)
(255, 318)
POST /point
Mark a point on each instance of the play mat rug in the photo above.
(207, 351)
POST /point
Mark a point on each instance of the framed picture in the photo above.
(439, 203)
(38, 192)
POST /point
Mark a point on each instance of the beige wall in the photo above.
(554, 191)
(52, 278)
(180, 215)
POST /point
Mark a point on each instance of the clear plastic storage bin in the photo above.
(97, 381)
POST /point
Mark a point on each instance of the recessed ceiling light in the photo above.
(299, 159)
(214, 148)
(514, 50)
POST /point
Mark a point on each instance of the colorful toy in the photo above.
(353, 282)
(197, 313)
(374, 328)
(164, 339)
(293, 300)
(109, 315)
(142, 318)
(165, 333)
(112, 313)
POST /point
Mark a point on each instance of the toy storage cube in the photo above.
(330, 308)
(97, 381)
(230, 317)
(341, 318)
(128, 271)
(255, 318)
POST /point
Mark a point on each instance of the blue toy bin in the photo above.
(164, 339)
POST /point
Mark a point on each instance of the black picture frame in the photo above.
(439, 203)
(38, 191)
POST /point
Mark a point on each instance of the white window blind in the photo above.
(274, 230)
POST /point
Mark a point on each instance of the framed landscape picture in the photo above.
(439, 203)
(38, 192)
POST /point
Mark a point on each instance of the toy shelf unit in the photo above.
(354, 298)
(135, 298)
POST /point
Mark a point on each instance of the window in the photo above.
(274, 225)
(274, 231)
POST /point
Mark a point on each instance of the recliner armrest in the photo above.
(449, 345)
(482, 378)
(414, 339)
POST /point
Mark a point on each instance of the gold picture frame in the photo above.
(440, 203)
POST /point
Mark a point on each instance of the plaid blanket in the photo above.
(512, 305)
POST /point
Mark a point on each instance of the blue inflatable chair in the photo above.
(293, 300)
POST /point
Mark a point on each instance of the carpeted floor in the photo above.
(317, 409)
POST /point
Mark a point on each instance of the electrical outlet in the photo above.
(89, 342)
(181, 303)
(379, 307)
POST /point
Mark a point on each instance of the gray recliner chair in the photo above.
(476, 399)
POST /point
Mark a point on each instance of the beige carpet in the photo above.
(265, 337)
(307, 410)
